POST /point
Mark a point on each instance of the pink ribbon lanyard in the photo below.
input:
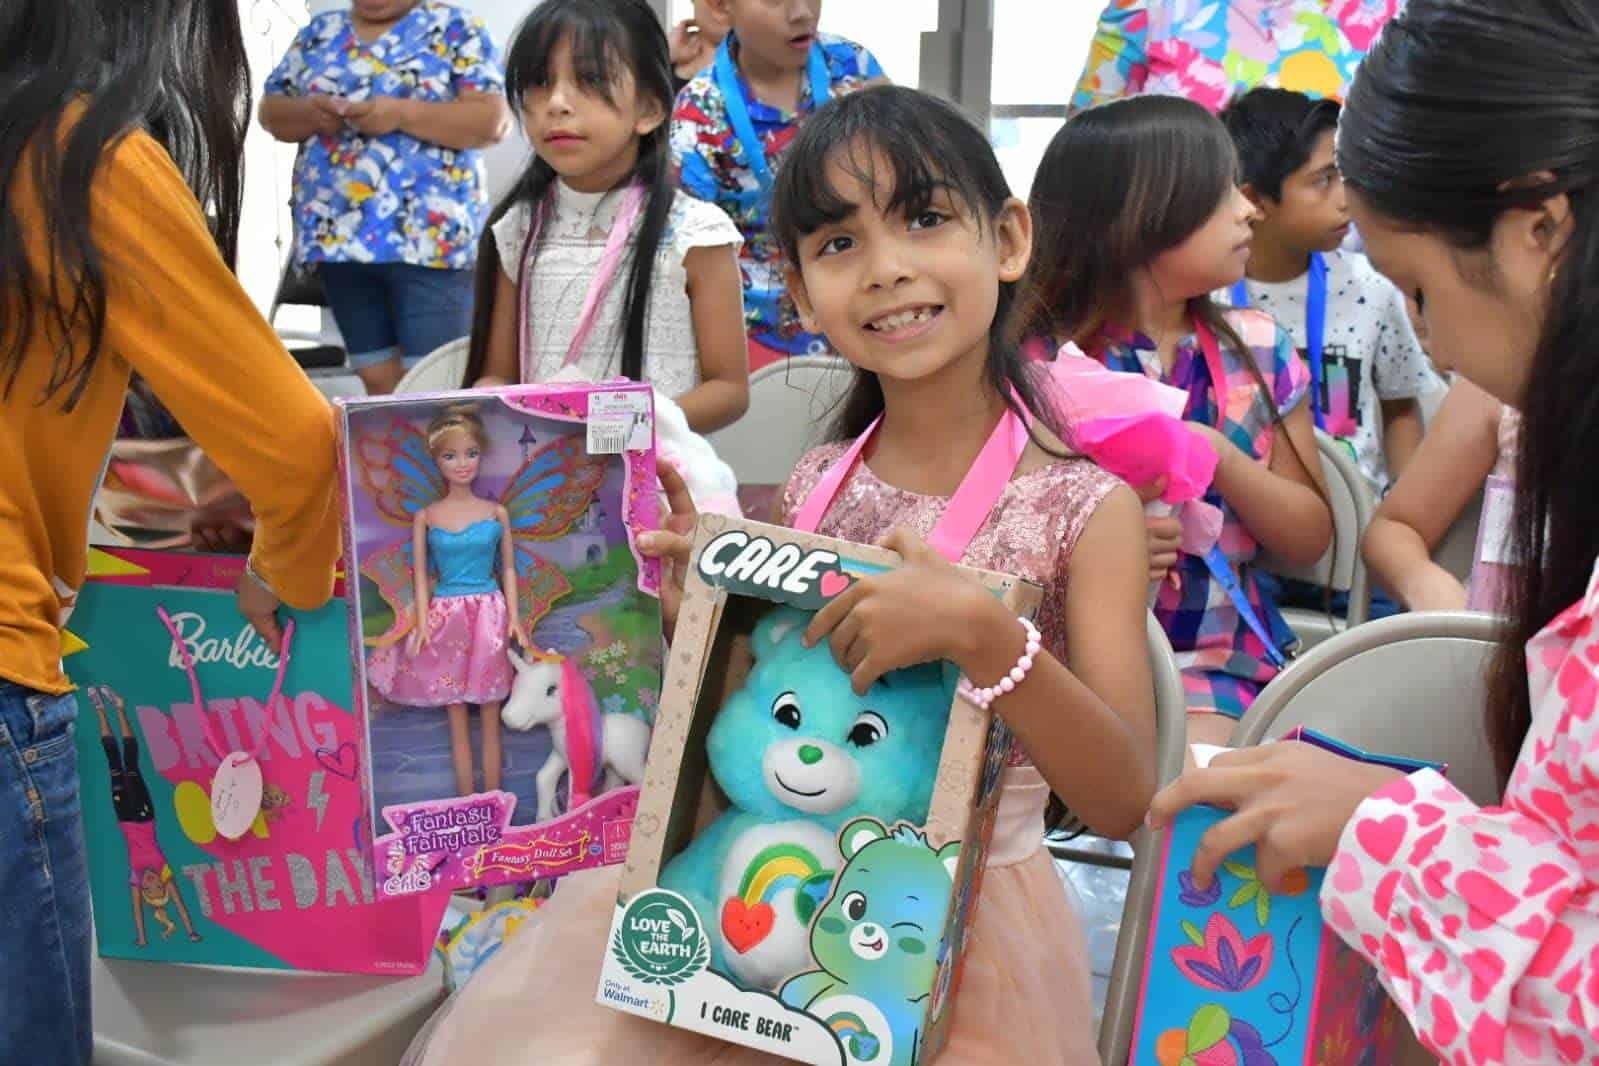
(604, 275)
(1218, 371)
(217, 747)
(967, 510)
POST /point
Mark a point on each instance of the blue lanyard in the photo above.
(1315, 329)
(1221, 568)
(738, 110)
(1216, 561)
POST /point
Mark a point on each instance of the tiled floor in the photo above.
(1100, 892)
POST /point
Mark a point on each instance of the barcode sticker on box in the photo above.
(608, 435)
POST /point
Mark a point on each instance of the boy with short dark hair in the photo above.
(1349, 321)
(768, 74)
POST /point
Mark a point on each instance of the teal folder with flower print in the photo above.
(1238, 975)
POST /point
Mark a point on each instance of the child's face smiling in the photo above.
(906, 295)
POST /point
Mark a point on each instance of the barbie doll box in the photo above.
(506, 632)
(805, 860)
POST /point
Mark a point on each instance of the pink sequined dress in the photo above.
(1025, 997)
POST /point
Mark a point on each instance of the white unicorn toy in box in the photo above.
(597, 751)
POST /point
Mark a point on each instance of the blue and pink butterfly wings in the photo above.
(547, 494)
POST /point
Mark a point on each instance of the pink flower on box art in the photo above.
(1225, 962)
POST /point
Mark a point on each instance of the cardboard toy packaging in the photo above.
(805, 860)
(505, 735)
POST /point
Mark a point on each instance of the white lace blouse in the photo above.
(571, 248)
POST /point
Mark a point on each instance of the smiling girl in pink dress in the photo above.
(907, 245)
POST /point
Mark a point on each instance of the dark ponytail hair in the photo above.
(173, 68)
(1457, 106)
(602, 34)
(1119, 185)
(928, 146)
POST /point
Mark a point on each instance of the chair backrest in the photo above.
(1412, 685)
(441, 370)
(1171, 743)
(1341, 567)
(790, 401)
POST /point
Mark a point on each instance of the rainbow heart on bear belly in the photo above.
(745, 925)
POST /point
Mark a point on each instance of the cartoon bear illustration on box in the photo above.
(877, 942)
(798, 754)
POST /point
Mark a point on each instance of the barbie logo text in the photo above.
(243, 651)
(452, 829)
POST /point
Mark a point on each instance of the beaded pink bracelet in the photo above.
(984, 697)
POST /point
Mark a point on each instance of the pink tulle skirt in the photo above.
(464, 660)
(1024, 999)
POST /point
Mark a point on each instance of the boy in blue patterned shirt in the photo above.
(769, 73)
(393, 100)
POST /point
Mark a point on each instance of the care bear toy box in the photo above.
(506, 631)
(805, 861)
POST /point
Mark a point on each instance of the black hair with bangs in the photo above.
(608, 38)
(929, 146)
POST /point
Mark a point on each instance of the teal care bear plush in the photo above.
(877, 943)
(798, 754)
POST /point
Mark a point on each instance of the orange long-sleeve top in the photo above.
(177, 315)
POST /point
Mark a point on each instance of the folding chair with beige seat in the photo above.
(1412, 685)
(1171, 738)
(441, 370)
(1341, 568)
(790, 402)
(146, 1014)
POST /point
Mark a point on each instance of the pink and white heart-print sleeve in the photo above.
(1483, 923)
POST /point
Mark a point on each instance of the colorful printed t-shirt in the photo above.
(394, 198)
(1224, 664)
(716, 167)
(1369, 352)
(1206, 50)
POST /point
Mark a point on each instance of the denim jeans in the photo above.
(396, 310)
(44, 884)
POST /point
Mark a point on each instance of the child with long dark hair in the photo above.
(121, 134)
(905, 246)
(1468, 147)
(1140, 218)
(595, 263)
